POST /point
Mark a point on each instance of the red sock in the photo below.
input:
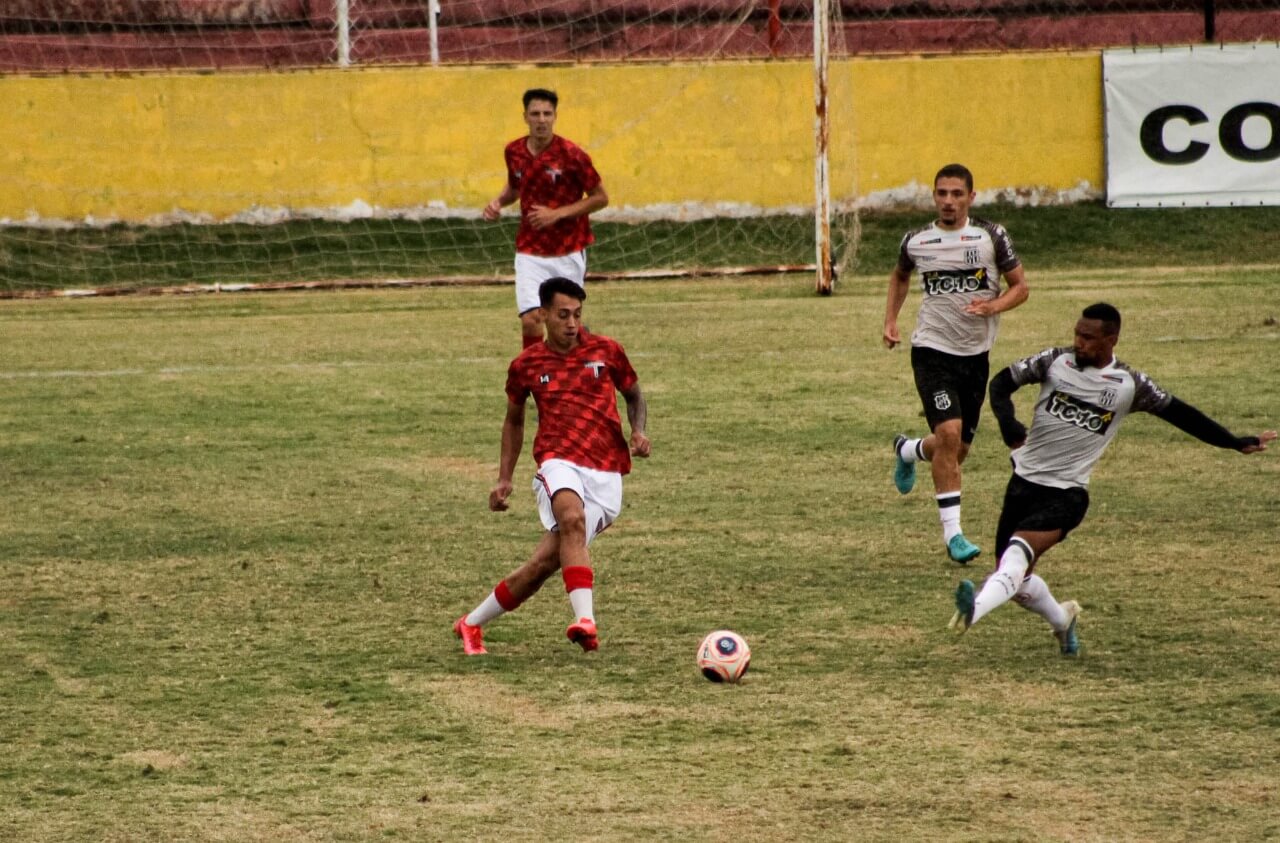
(505, 598)
(576, 576)
(577, 581)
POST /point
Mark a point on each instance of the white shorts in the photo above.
(601, 493)
(532, 270)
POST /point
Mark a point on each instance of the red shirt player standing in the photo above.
(581, 456)
(557, 186)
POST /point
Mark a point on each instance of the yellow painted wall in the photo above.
(1019, 121)
(136, 146)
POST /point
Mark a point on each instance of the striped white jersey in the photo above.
(1077, 414)
(957, 267)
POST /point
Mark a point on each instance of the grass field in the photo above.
(237, 530)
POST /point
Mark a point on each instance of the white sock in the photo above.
(912, 451)
(580, 599)
(1007, 579)
(1034, 596)
(488, 609)
(949, 513)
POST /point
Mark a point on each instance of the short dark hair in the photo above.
(548, 289)
(1106, 314)
(955, 171)
(541, 94)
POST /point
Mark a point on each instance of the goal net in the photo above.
(278, 142)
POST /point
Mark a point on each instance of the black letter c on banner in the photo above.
(1151, 135)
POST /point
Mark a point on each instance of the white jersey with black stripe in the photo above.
(1078, 413)
(957, 267)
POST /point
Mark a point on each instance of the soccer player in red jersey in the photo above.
(581, 455)
(558, 187)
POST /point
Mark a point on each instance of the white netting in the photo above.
(117, 34)
(126, 195)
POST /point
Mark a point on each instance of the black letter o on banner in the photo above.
(1231, 131)
(1151, 135)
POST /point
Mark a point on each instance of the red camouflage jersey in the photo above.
(559, 175)
(577, 410)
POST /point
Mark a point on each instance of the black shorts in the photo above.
(951, 387)
(1035, 508)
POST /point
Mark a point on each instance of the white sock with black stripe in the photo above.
(1007, 579)
(949, 514)
(912, 450)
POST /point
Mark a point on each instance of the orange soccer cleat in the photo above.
(472, 637)
(583, 633)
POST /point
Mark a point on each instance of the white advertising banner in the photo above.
(1193, 126)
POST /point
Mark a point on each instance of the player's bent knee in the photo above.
(573, 529)
(571, 518)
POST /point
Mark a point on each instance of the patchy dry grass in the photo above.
(237, 530)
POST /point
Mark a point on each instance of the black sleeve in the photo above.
(1188, 419)
(1002, 388)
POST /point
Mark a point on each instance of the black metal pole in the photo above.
(1210, 16)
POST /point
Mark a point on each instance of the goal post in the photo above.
(823, 276)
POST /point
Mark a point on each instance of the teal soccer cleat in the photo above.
(1068, 642)
(961, 549)
(904, 473)
(963, 618)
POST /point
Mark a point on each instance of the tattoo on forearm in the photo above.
(637, 412)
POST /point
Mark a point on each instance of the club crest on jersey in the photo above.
(595, 366)
(971, 256)
(544, 378)
(943, 281)
(941, 400)
(555, 172)
(1107, 397)
(1080, 413)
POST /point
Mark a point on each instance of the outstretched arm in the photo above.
(512, 442)
(1012, 431)
(1188, 419)
(637, 416)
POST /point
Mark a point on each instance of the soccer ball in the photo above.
(724, 656)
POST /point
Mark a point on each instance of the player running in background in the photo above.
(581, 457)
(961, 260)
(557, 186)
(1085, 394)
